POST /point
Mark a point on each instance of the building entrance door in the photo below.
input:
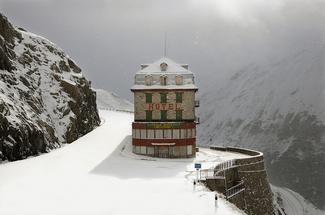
(163, 151)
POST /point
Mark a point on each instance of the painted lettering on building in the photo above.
(164, 106)
(163, 125)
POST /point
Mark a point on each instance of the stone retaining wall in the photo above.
(257, 198)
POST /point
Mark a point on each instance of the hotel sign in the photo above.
(163, 125)
(164, 106)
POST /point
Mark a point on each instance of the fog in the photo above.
(109, 39)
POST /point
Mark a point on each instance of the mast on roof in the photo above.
(165, 45)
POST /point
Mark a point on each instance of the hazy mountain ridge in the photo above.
(278, 109)
(110, 100)
(45, 100)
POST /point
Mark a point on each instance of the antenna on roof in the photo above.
(165, 45)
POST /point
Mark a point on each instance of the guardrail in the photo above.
(207, 173)
(234, 190)
(224, 165)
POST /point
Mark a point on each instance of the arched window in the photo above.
(163, 66)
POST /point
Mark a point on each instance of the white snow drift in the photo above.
(98, 174)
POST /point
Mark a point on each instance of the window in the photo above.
(183, 134)
(163, 97)
(137, 149)
(148, 80)
(189, 133)
(179, 80)
(163, 115)
(159, 133)
(183, 151)
(148, 97)
(148, 115)
(189, 149)
(168, 133)
(179, 114)
(193, 132)
(143, 150)
(143, 133)
(163, 80)
(150, 133)
(150, 150)
(137, 133)
(179, 97)
(176, 133)
(163, 66)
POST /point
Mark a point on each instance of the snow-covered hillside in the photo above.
(98, 174)
(294, 204)
(44, 98)
(111, 101)
(279, 109)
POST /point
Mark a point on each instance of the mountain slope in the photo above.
(108, 100)
(278, 109)
(294, 204)
(44, 98)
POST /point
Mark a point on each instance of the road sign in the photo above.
(197, 166)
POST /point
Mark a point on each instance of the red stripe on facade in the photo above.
(178, 142)
(161, 90)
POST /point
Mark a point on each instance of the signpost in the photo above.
(197, 166)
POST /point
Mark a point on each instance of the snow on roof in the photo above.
(172, 67)
(169, 69)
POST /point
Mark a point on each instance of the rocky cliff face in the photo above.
(44, 98)
(278, 109)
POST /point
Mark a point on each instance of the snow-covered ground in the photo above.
(98, 174)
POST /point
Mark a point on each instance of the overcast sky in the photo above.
(109, 39)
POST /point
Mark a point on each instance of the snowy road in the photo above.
(98, 174)
(295, 204)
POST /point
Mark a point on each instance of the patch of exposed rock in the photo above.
(45, 100)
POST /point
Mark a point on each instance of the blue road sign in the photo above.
(197, 166)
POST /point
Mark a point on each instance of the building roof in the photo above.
(164, 67)
(171, 68)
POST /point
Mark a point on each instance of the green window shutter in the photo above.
(148, 115)
(148, 97)
(179, 115)
(163, 97)
(163, 114)
(179, 97)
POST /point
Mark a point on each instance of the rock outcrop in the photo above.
(45, 100)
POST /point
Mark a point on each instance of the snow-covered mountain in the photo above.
(278, 109)
(109, 100)
(44, 98)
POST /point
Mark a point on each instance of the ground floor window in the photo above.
(163, 133)
(165, 151)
